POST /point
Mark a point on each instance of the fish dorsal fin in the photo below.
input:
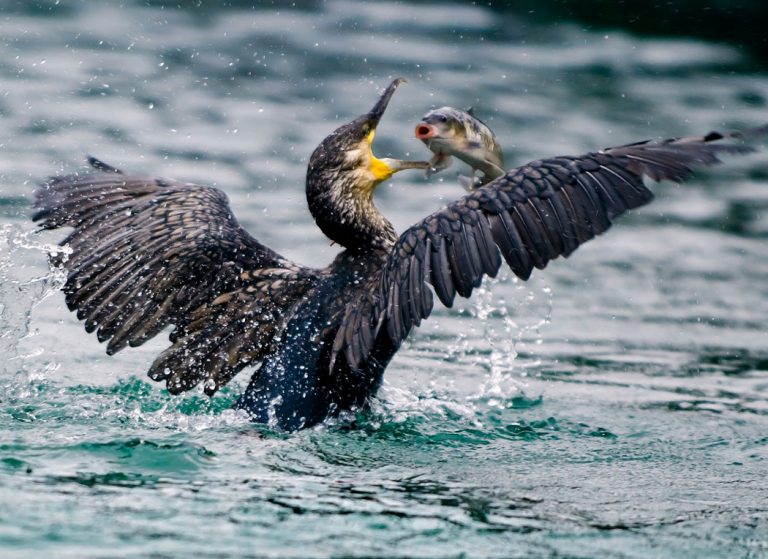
(470, 111)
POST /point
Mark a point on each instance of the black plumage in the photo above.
(150, 253)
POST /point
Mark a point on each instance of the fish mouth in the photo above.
(425, 131)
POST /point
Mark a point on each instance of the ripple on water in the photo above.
(613, 406)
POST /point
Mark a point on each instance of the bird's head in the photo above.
(343, 172)
(345, 156)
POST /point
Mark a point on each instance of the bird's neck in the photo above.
(348, 216)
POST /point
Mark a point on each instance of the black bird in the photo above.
(150, 253)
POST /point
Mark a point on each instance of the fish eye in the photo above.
(443, 118)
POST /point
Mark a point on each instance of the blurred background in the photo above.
(613, 406)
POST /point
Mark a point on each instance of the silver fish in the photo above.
(452, 132)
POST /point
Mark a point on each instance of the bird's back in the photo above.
(299, 385)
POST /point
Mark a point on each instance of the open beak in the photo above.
(375, 114)
(386, 167)
(396, 165)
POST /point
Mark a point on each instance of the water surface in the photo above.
(614, 406)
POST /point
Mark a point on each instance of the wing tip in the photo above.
(100, 165)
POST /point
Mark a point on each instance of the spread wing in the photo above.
(149, 253)
(236, 329)
(530, 216)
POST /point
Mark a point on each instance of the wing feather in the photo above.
(151, 253)
(531, 215)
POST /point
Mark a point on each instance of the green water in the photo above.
(614, 406)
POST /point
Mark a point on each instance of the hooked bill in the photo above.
(452, 132)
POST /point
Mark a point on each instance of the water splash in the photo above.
(509, 315)
(396, 405)
(22, 288)
(504, 329)
(169, 418)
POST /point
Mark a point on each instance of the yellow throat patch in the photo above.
(380, 170)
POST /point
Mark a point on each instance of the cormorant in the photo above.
(150, 253)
